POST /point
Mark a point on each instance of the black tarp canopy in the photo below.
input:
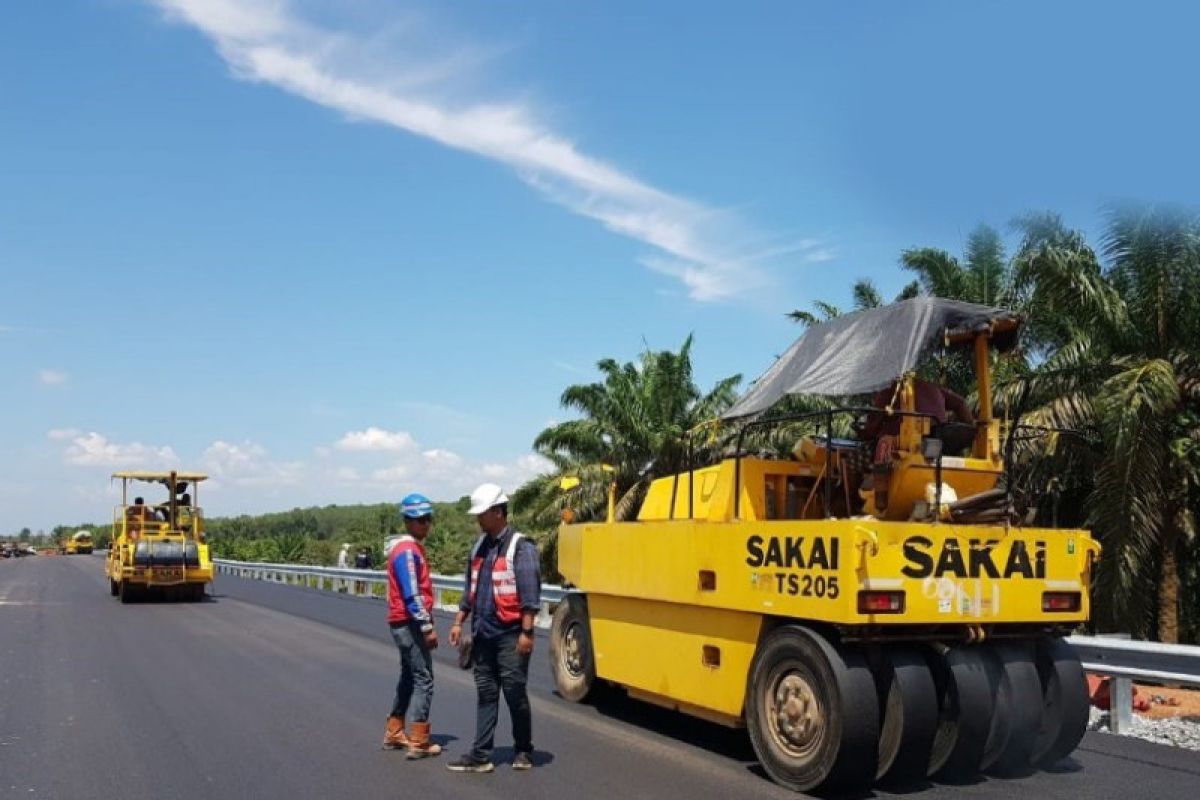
(865, 351)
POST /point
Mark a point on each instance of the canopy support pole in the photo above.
(983, 379)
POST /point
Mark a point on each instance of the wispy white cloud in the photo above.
(401, 464)
(571, 368)
(95, 450)
(53, 377)
(345, 475)
(248, 464)
(278, 42)
(394, 474)
(376, 439)
(62, 434)
(444, 474)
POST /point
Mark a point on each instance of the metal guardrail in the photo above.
(1127, 660)
(1124, 660)
(366, 582)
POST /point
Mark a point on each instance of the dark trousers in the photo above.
(415, 685)
(499, 668)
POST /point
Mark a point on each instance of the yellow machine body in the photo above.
(79, 543)
(677, 606)
(148, 552)
(879, 608)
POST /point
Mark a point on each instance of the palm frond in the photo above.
(865, 295)
(939, 272)
(805, 318)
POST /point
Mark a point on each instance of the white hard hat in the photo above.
(486, 496)
(345, 545)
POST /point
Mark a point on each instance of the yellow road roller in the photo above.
(79, 543)
(874, 607)
(158, 548)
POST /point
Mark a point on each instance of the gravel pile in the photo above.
(1174, 731)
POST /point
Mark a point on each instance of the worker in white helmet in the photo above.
(501, 595)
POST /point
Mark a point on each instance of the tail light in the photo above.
(881, 602)
(1061, 601)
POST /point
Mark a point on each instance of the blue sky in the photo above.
(339, 251)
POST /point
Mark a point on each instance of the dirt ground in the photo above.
(1188, 701)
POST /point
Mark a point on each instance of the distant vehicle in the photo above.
(7, 550)
(25, 549)
(80, 542)
(159, 550)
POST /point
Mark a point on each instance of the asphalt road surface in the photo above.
(270, 691)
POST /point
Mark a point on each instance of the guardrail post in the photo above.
(1120, 707)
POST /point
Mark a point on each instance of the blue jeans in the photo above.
(498, 667)
(414, 689)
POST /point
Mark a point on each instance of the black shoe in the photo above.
(522, 761)
(468, 764)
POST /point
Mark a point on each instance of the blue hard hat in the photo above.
(416, 505)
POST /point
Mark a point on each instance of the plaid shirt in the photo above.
(484, 622)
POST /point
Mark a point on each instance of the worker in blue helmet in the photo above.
(410, 617)
(415, 506)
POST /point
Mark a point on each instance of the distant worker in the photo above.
(929, 398)
(410, 616)
(343, 559)
(362, 559)
(136, 516)
(184, 512)
(502, 595)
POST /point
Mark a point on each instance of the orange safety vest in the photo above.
(504, 580)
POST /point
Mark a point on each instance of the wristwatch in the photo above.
(527, 631)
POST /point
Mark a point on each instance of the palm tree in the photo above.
(865, 296)
(981, 277)
(630, 431)
(1113, 350)
(1125, 361)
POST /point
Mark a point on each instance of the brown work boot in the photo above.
(394, 737)
(419, 745)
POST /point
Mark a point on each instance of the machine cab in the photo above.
(903, 457)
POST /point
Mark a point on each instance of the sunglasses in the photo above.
(427, 519)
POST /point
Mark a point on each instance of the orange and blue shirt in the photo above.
(410, 588)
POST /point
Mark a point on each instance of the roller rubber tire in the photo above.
(1065, 702)
(908, 713)
(113, 589)
(1018, 709)
(965, 707)
(842, 755)
(572, 662)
